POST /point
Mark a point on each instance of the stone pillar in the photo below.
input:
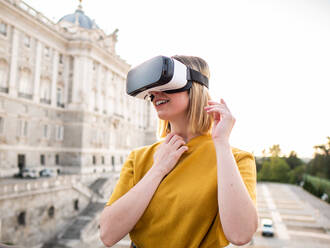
(13, 64)
(107, 89)
(66, 61)
(37, 69)
(54, 79)
(98, 88)
(75, 80)
(87, 81)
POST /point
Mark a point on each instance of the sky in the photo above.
(269, 59)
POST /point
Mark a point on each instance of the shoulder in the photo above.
(243, 157)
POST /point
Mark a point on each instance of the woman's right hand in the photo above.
(168, 153)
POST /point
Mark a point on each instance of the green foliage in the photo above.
(293, 161)
(316, 185)
(293, 170)
(274, 170)
(296, 175)
(320, 165)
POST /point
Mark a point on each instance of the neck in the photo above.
(181, 128)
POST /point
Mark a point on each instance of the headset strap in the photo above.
(193, 75)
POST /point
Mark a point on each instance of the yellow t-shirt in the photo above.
(184, 209)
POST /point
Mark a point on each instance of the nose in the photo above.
(152, 94)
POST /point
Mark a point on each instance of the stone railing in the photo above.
(31, 11)
(13, 189)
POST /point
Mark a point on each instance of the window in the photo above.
(59, 97)
(2, 125)
(45, 91)
(21, 218)
(46, 131)
(25, 80)
(51, 212)
(57, 159)
(60, 59)
(47, 51)
(27, 41)
(22, 128)
(59, 132)
(76, 204)
(94, 160)
(3, 29)
(42, 159)
(112, 160)
(4, 74)
(102, 159)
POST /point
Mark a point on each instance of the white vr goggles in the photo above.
(161, 74)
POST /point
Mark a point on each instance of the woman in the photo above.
(191, 189)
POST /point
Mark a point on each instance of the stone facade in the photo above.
(62, 95)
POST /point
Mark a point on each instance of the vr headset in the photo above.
(161, 74)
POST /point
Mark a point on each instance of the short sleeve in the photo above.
(125, 182)
(247, 168)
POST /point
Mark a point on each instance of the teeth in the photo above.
(161, 102)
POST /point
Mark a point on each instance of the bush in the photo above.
(317, 186)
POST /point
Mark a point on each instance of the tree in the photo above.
(293, 161)
(296, 175)
(275, 150)
(320, 164)
(279, 170)
(265, 172)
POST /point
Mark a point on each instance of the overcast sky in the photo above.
(269, 59)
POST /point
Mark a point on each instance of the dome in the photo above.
(79, 18)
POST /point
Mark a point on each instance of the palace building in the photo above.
(63, 103)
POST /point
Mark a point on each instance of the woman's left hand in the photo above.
(223, 121)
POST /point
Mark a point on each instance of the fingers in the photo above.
(216, 109)
(168, 137)
(178, 143)
(222, 103)
(181, 150)
(174, 139)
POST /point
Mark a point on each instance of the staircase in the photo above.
(84, 228)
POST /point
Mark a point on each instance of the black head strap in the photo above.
(193, 75)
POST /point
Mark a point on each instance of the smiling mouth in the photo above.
(160, 102)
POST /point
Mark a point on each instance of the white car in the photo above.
(267, 227)
(29, 173)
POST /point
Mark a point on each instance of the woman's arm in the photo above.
(238, 214)
(120, 218)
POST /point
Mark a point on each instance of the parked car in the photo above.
(27, 173)
(46, 173)
(267, 227)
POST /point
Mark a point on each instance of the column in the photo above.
(37, 69)
(54, 79)
(75, 80)
(87, 82)
(13, 64)
(66, 61)
(107, 86)
(98, 88)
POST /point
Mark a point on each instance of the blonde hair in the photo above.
(199, 121)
